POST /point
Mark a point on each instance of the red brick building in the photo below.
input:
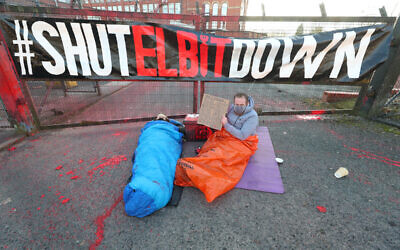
(188, 7)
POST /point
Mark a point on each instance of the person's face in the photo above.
(240, 101)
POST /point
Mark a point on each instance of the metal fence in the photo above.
(391, 110)
(4, 123)
(84, 102)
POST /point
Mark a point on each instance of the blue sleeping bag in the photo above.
(158, 150)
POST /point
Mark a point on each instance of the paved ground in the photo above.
(42, 207)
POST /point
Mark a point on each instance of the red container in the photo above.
(194, 131)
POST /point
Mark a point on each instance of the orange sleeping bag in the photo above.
(219, 166)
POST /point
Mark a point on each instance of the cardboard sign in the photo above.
(212, 110)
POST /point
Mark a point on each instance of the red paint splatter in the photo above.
(61, 175)
(365, 154)
(61, 197)
(116, 160)
(80, 161)
(318, 112)
(70, 172)
(104, 158)
(120, 133)
(12, 149)
(42, 196)
(321, 209)
(59, 167)
(100, 223)
(65, 201)
(75, 177)
(38, 208)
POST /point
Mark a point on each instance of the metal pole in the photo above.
(195, 96)
(383, 79)
(31, 104)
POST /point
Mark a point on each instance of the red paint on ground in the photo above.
(100, 223)
(38, 208)
(321, 209)
(42, 196)
(61, 197)
(318, 112)
(365, 154)
(75, 177)
(120, 133)
(116, 160)
(65, 201)
(61, 175)
(59, 167)
(12, 149)
(70, 172)
(80, 161)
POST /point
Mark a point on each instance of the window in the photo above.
(126, 8)
(144, 7)
(206, 9)
(224, 11)
(132, 8)
(164, 8)
(120, 8)
(171, 8)
(215, 13)
(114, 8)
(156, 8)
(207, 12)
(109, 8)
(177, 8)
(103, 8)
(151, 10)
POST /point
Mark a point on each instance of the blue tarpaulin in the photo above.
(158, 150)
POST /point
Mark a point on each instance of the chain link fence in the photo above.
(391, 110)
(106, 101)
(4, 123)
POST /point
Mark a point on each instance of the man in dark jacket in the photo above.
(241, 120)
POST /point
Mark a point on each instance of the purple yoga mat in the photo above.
(262, 172)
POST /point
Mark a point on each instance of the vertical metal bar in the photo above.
(360, 99)
(46, 95)
(201, 92)
(195, 96)
(383, 79)
(31, 104)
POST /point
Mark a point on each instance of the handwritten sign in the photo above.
(212, 110)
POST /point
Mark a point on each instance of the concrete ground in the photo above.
(62, 189)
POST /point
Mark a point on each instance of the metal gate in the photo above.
(56, 104)
(4, 123)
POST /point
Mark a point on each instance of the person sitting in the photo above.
(241, 120)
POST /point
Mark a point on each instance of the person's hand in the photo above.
(224, 121)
